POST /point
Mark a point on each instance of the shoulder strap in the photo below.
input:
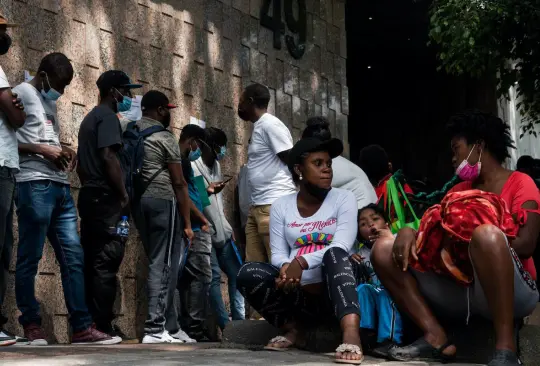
(145, 133)
(151, 130)
(154, 176)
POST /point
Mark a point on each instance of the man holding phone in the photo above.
(225, 256)
(45, 207)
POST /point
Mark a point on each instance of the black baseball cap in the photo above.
(155, 99)
(115, 79)
(334, 147)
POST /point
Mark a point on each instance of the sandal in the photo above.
(349, 348)
(504, 357)
(382, 349)
(421, 350)
(279, 339)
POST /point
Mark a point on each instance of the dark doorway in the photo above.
(398, 99)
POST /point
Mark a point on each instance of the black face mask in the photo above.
(317, 192)
(243, 115)
(167, 121)
(5, 43)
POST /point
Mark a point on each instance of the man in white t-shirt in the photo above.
(267, 171)
(12, 117)
(45, 207)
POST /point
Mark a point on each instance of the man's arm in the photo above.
(80, 173)
(181, 191)
(113, 171)
(51, 153)
(15, 115)
(198, 215)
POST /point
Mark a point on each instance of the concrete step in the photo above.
(475, 342)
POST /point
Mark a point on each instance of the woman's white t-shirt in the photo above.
(333, 225)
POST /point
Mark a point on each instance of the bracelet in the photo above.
(299, 263)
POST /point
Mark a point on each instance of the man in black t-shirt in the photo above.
(103, 196)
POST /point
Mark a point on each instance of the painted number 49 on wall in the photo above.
(298, 27)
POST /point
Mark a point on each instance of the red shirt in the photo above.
(518, 189)
(380, 190)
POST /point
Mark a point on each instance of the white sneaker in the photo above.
(6, 339)
(157, 338)
(182, 336)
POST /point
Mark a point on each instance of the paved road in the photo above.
(165, 355)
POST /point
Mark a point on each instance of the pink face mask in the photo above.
(468, 172)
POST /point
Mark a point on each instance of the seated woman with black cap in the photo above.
(312, 233)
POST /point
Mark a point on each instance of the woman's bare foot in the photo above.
(351, 336)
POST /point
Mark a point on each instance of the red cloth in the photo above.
(518, 189)
(446, 230)
(380, 190)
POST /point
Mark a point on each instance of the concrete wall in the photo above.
(199, 52)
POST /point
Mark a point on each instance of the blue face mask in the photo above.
(221, 154)
(52, 94)
(194, 155)
(124, 105)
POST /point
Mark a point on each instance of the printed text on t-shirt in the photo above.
(314, 225)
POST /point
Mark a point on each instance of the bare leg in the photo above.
(351, 335)
(404, 290)
(495, 270)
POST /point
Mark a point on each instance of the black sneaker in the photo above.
(6, 339)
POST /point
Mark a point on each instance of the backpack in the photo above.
(131, 159)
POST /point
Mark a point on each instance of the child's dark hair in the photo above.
(378, 210)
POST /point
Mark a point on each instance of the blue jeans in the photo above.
(45, 209)
(225, 259)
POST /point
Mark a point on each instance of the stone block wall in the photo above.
(201, 53)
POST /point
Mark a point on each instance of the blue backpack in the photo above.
(131, 159)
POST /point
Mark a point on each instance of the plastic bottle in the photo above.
(122, 229)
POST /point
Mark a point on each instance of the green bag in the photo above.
(199, 183)
(396, 209)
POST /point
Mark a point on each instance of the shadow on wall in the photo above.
(201, 53)
(178, 47)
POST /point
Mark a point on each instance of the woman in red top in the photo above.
(503, 288)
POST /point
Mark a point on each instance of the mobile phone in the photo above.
(227, 180)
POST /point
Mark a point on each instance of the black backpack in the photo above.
(131, 159)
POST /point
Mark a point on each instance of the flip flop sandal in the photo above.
(349, 348)
(421, 350)
(279, 339)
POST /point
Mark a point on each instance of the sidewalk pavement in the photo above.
(168, 355)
